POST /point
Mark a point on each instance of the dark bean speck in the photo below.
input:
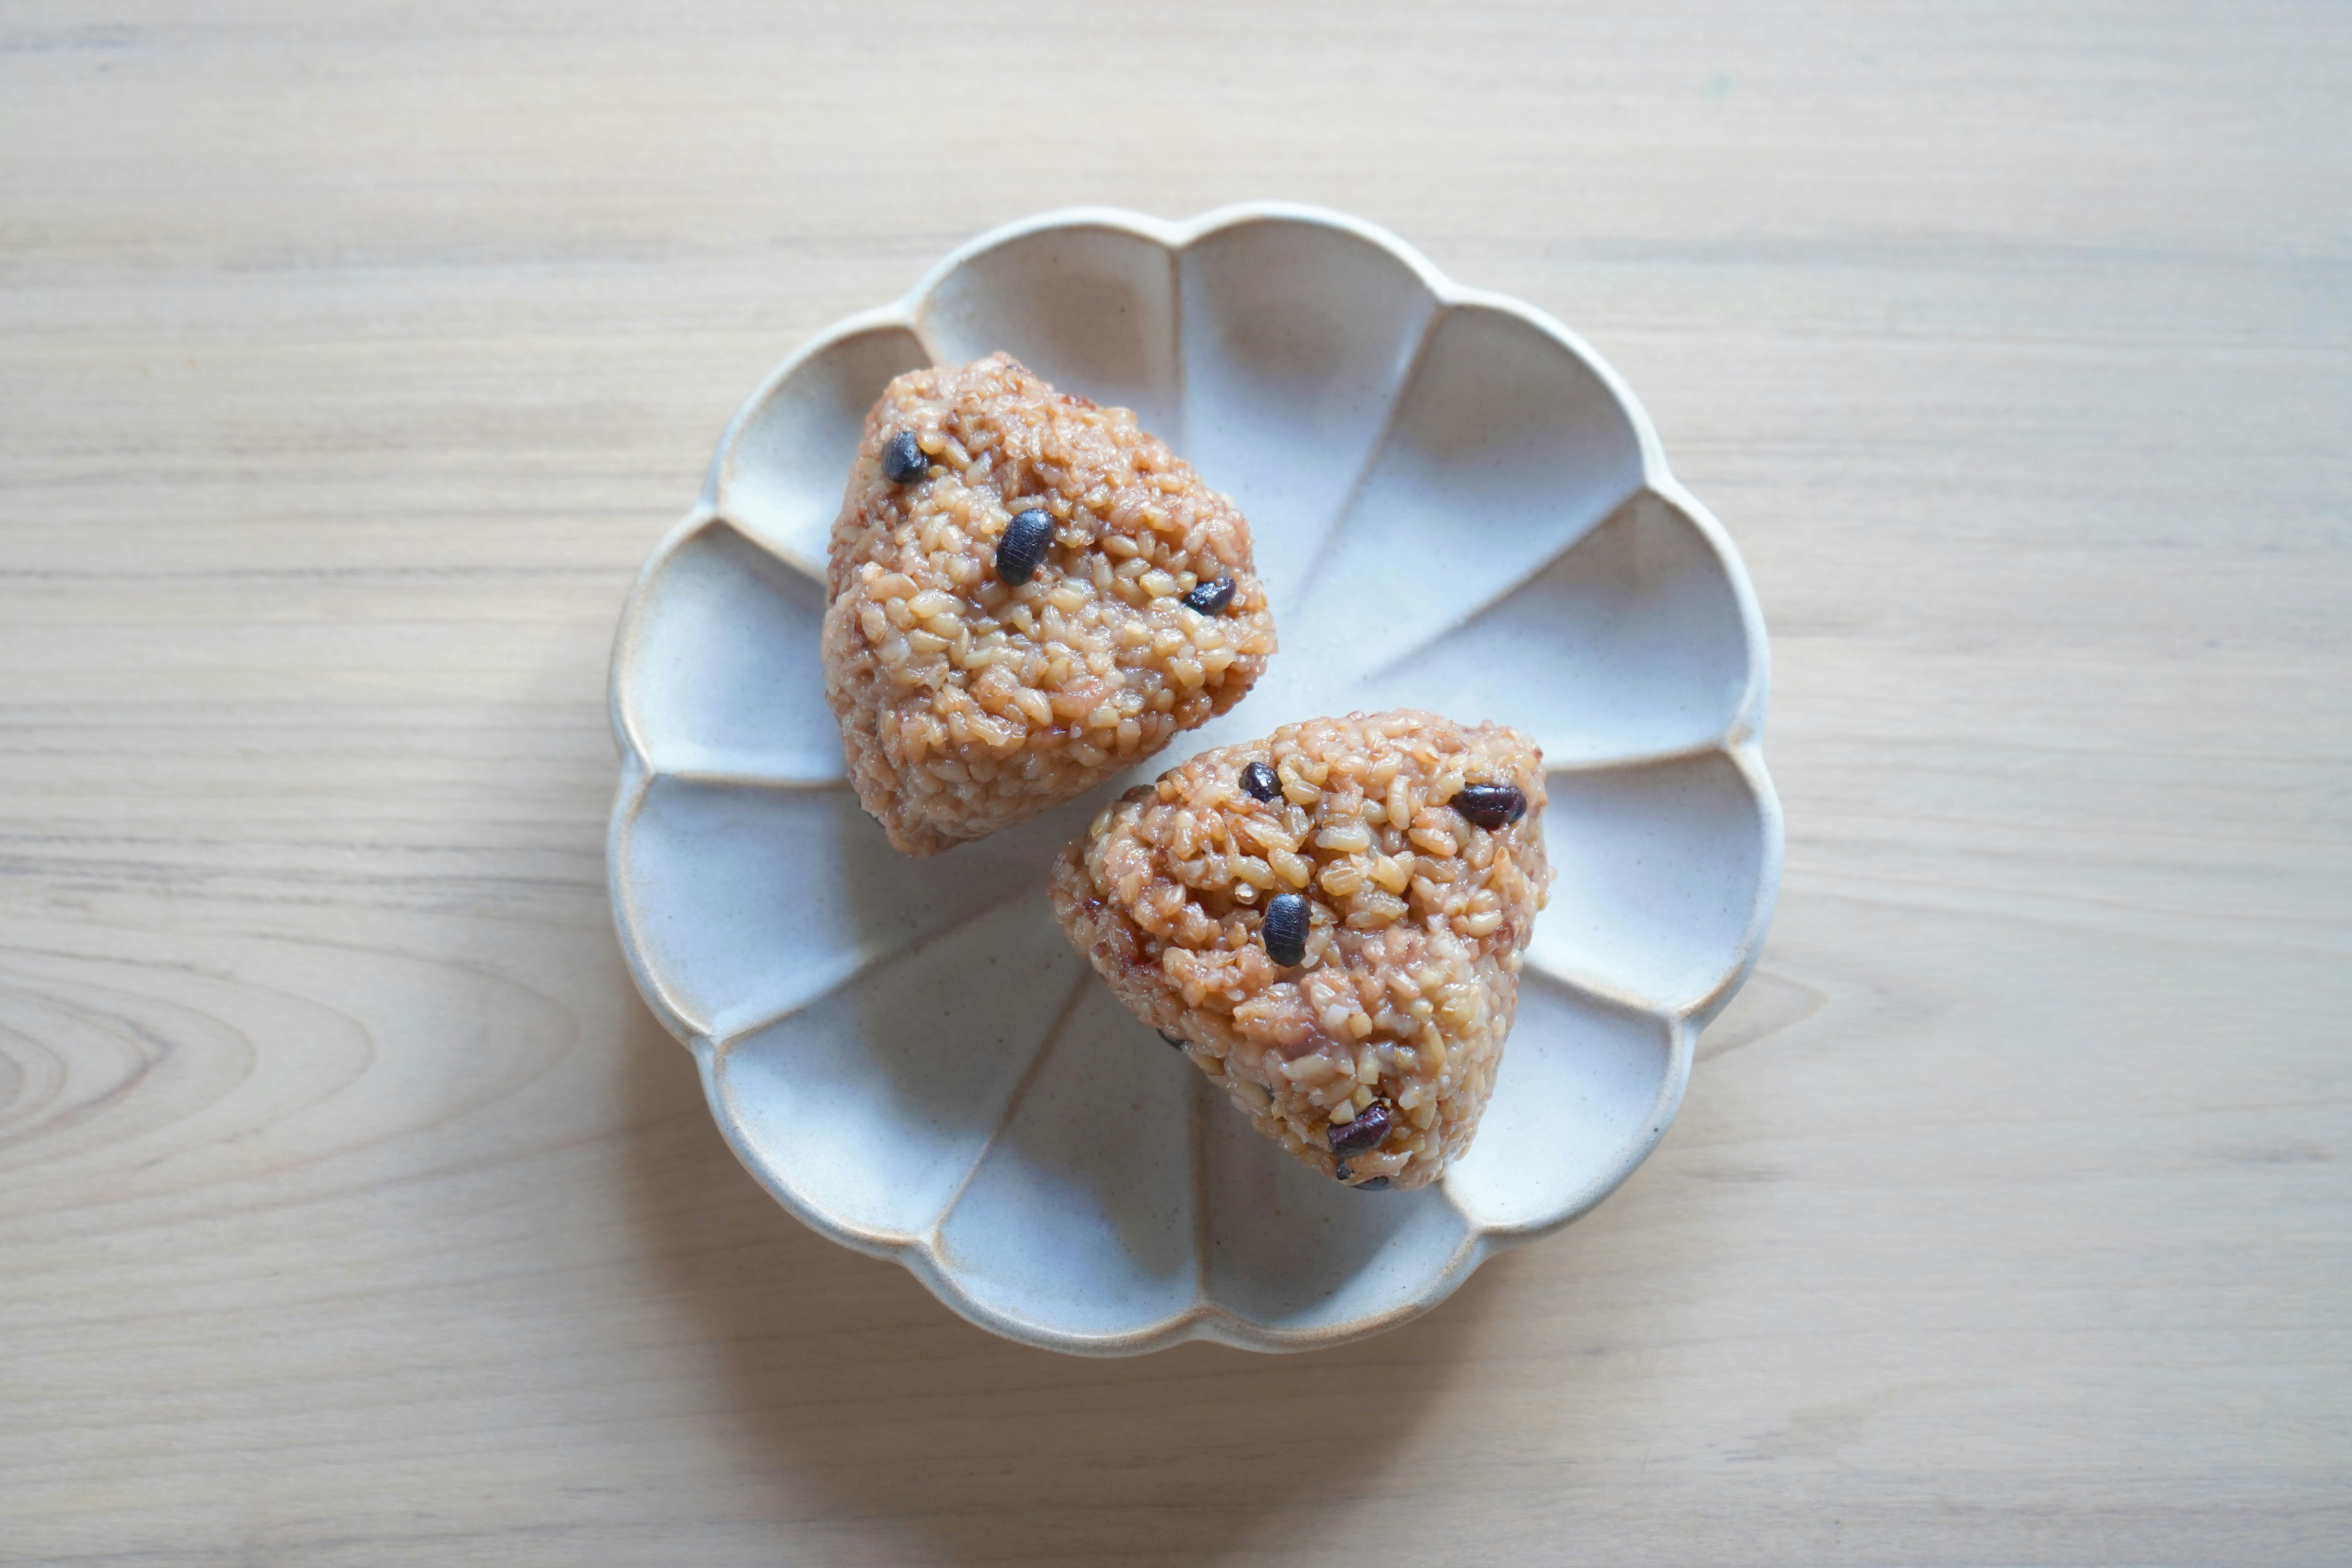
(1211, 599)
(1025, 540)
(902, 459)
(1371, 1125)
(1284, 929)
(1341, 1170)
(1491, 806)
(1262, 781)
(1377, 1184)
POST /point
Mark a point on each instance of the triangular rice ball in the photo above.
(1331, 922)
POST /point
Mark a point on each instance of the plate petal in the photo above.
(1585, 1087)
(1081, 1214)
(1091, 307)
(1506, 447)
(712, 668)
(1293, 1253)
(870, 1104)
(748, 902)
(1631, 642)
(1665, 872)
(1297, 338)
(781, 466)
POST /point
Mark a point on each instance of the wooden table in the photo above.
(354, 1211)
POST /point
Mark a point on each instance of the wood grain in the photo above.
(352, 1209)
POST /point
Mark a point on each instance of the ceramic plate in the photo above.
(1457, 506)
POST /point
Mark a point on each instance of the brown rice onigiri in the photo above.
(968, 702)
(1372, 1058)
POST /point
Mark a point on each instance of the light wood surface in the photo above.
(354, 1211)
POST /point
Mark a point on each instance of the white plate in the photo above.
(1457, 506)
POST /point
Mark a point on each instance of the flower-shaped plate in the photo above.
(1457, 506)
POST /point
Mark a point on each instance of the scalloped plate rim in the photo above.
(1203, 1319)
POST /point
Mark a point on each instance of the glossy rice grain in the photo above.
(968, 701)
(1418, 918)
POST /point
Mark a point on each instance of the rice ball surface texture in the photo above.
(1027, 593)
(1415, 845)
